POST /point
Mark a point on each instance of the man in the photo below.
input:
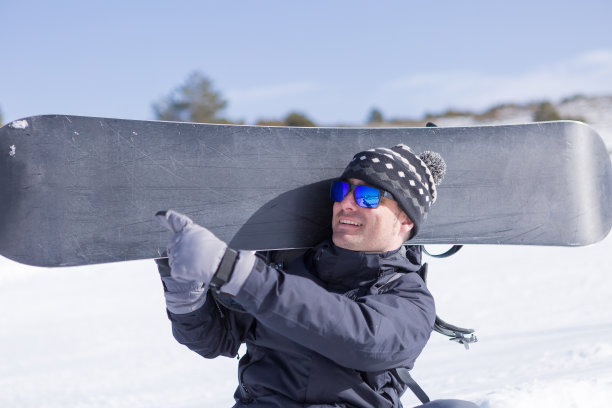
(336, 326)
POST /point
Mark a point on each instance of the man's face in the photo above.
(379, 229)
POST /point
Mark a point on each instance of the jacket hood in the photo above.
(343, 269)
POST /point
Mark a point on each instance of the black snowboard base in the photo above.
(82, 190)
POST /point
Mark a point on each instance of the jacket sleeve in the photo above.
(374, 332)
(211, 330)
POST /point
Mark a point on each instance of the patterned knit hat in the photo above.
(411, 179)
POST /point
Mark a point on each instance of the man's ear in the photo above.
(406, 225)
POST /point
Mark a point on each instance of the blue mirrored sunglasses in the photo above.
(365, 196)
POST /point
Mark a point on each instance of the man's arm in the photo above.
(198, 320)
(211, 330)
(371, 333)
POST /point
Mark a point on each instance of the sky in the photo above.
(331, 60)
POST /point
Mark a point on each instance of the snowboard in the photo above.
(84, 190)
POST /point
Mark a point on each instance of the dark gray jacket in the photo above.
(328, 331)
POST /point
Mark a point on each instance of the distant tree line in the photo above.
(546, 111)
(292, 119)
(196, 100)
(375, 116)
(542, 112)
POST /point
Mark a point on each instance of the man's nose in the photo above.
(348, 202)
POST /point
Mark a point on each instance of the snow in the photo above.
(544, 325)
(19, 124)
(597, 111)
(98, 336)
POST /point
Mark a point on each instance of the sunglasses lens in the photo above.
(367, 197)
(339, 190)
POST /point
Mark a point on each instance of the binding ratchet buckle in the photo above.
(455, 333)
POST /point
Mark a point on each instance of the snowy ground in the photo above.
(98, 336)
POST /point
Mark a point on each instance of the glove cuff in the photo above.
(177, 285)
(185, 302)
(225, 269)
(244, 264)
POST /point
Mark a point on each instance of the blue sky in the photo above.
(332, 60)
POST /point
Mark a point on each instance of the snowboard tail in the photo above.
(83, 190)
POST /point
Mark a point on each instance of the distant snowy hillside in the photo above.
(596, 110)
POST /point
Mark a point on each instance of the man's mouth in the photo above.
(349, 222)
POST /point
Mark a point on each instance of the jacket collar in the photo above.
(342, 269)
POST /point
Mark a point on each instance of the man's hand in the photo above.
(181, 296)
(194, 253)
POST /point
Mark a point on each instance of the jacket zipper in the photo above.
(246, 394)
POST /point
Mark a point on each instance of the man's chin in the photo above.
(345, 242)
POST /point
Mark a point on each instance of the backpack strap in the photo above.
(457, 334)
(404, 375)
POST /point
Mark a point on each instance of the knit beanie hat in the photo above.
(411, 179)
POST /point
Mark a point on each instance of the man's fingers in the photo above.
(173, 221)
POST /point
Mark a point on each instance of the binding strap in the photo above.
(456, 333)
(452, 251)
(404, 375)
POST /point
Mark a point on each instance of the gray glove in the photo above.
(194, 255)
(181, 297)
